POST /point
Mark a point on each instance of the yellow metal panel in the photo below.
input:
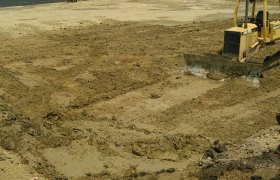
(274, 30)
(242, 29)
(246, 41)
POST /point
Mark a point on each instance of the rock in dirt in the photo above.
(136, 151)
(9, 146)
(12, 118)
(137, 64)
(256, 177)
(169, 170)
(211, 153)
(154, 96)
(53, 116)
(138, 174)
(236, 165)
(219, 147)
(142, 173)
(277, 150)
(215, 150)
(278, 118)
(213, 177)
(88, 174)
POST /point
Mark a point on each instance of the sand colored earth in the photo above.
(164, 12)
(106, 97)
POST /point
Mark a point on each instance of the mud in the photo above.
(252, 168)
(111, 101)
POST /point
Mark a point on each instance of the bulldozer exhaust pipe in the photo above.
(246, 14)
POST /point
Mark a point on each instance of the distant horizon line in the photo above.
(11, 3)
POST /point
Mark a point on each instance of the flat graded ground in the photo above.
(109, 99)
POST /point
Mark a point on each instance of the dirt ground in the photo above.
(111, 101)
(26, 19)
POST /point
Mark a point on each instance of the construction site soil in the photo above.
(111, 101)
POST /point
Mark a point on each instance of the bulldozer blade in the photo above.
(219, 64)
(272, 61)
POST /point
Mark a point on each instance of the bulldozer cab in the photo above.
(239, 41)
(259, 20)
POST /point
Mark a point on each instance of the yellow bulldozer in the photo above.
(239, 42)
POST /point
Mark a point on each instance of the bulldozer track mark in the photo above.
(145, 106)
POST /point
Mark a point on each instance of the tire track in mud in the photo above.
(140, 104)
(122, 131)
(247, 129)
(231, 123)
(240, 115)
